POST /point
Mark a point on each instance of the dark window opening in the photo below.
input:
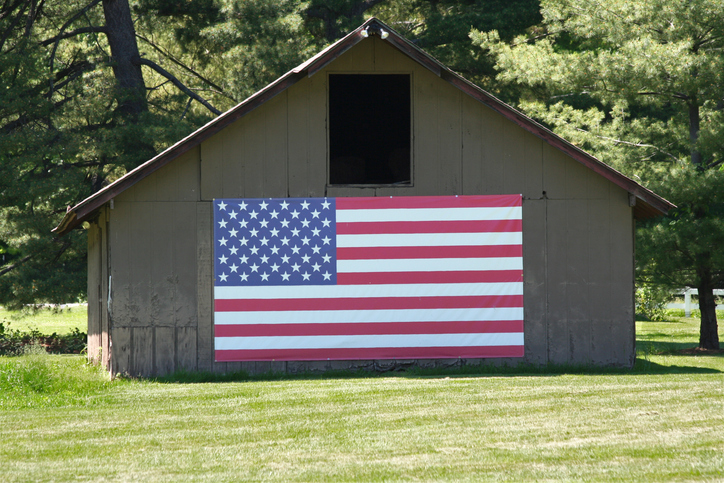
(369, 129)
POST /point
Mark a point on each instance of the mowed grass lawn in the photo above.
(61, 420)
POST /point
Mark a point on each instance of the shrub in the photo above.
(16, 342)
(651, 302)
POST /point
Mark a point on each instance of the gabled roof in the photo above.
(648, 204)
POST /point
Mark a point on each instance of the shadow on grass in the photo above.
(642, 366)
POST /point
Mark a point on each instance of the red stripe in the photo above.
(370, 353)
(368, 303)
(443, 226)
(376, 253)
(489, 276)
(453, 327)
(484, 201)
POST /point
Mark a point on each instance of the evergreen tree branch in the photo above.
(67, 24)
(173, 59)
(628, 143)
(177, 83)
(73, 33)
(10, 268)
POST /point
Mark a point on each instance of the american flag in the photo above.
(368, 278)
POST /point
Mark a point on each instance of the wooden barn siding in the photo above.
(578, 238)
(154, 272)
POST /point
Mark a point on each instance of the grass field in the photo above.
(47, 321)
(61, 420)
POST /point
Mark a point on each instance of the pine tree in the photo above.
(640, 84)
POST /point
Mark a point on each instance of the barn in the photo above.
(371, 118)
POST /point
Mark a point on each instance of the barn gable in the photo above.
(150, 266)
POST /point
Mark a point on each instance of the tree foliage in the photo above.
(640, 84)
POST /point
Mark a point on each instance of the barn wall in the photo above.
(153, 309)
(578, 233)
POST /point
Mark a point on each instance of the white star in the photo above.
(295, 249)
(254, 268)
(296, 267)
(242, 206)
(264, 277)
(244, 277)
(285, 205)
(305, 240)
(275, 268)
(243, 241)
(244, 259)
(326, 223)
(325, 204)
(305, 205)
(315, 231)
(222, 224)
(316, 248)
(285, 258)
(254, 232)
(263, 223)
(275, 250)
(327, 275)
(274, 214)
(285, 223)
(263, 205)
(233, 250)
(285, 276)
(305, 258)
(305, 223)
(295, 214)
(223, 277)
(264, 240)
(253, 214)
(326, 240)
(233, 232)
(326, 258)
(274, 232)
(315, 214)
(295, 232)
(233, 214)
(285, 241)
(316, 267)
(254, 250)
(223, 241)
(233, 267)
(306, 275)
(222, 206)
(264, 259)
(243, 223)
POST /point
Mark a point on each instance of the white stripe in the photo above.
(429, 265)
(371, 290)
(369, 341)
(358, 316)
(430, 214)
(429, 239)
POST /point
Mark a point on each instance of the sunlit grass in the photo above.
(47, 320)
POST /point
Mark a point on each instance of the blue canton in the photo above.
(284, 241)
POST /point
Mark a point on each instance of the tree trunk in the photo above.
(124, 50)
(709, 331)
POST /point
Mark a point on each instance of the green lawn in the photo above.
(61, 420)
(47, 321)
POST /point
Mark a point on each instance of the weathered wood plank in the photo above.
(142, 355)
(472, 148)
(212, 174)
(534, 277)
(204, 286)
(165, 350)
(186, 350)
